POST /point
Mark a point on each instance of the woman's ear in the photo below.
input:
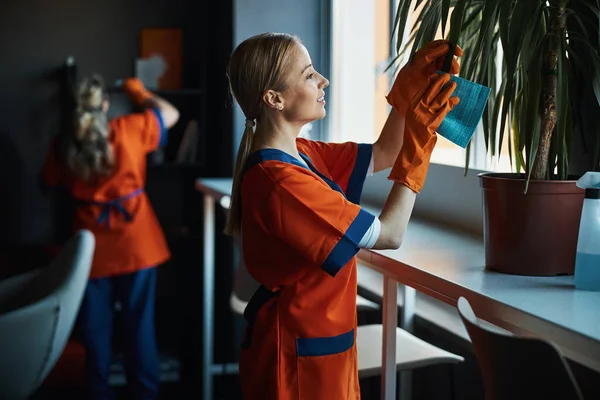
(273, 99)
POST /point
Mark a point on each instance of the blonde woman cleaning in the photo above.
(295, 203)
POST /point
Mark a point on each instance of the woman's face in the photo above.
(304, 99)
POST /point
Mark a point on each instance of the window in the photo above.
(361, 51)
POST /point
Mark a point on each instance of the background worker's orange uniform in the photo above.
(301, 227)
(116, 208)
(129, 243)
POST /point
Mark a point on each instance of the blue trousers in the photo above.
(135, 292)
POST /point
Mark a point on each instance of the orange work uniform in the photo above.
(301, 226)
(115, 208)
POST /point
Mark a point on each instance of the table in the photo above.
(214, 190)
(445, 264)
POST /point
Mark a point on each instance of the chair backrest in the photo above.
(37, 314)
(514, 367)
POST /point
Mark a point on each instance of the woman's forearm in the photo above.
(387, 146)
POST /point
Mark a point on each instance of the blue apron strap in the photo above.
(117, 205)
(260, 297)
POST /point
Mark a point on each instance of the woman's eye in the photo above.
(310, 76)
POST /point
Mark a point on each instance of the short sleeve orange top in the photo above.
(301, 226)
(115, 208)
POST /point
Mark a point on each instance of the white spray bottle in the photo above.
(587, 263)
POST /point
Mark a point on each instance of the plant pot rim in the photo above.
(520, 177)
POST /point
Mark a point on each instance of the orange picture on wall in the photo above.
(166, 44)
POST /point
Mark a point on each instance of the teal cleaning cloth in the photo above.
(461, 122)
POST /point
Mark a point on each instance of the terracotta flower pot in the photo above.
(534, 233)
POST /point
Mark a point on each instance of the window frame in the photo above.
(326, 24)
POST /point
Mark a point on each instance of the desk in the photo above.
(446, 265)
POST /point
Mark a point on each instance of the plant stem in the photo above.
(557, 25)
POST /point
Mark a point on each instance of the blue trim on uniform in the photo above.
(116, 204)
(359, 172)
(331, 183)
(277, 155)
(347, 246)
(323, 346)
(271, 155)
(162, 141)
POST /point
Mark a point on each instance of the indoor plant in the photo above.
(547, 103)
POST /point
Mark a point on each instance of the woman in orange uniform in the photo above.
(295, 204)
(103, 166)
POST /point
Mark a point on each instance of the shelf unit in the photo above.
(207, 44)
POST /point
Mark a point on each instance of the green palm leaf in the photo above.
(526, 30)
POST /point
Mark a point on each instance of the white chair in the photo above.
(411, 352)
(37, 314)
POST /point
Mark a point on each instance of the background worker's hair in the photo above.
(88, 151)
(258, 64)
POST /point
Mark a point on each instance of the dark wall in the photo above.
(219, 125)
(586, 134)
(36, 36)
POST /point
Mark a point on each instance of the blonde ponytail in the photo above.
(259, 63)
(233, 225)
(88, 150)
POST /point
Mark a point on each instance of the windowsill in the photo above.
(447, 264)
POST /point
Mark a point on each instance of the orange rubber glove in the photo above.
(413, 77)
(424, 116)
(136, 91)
